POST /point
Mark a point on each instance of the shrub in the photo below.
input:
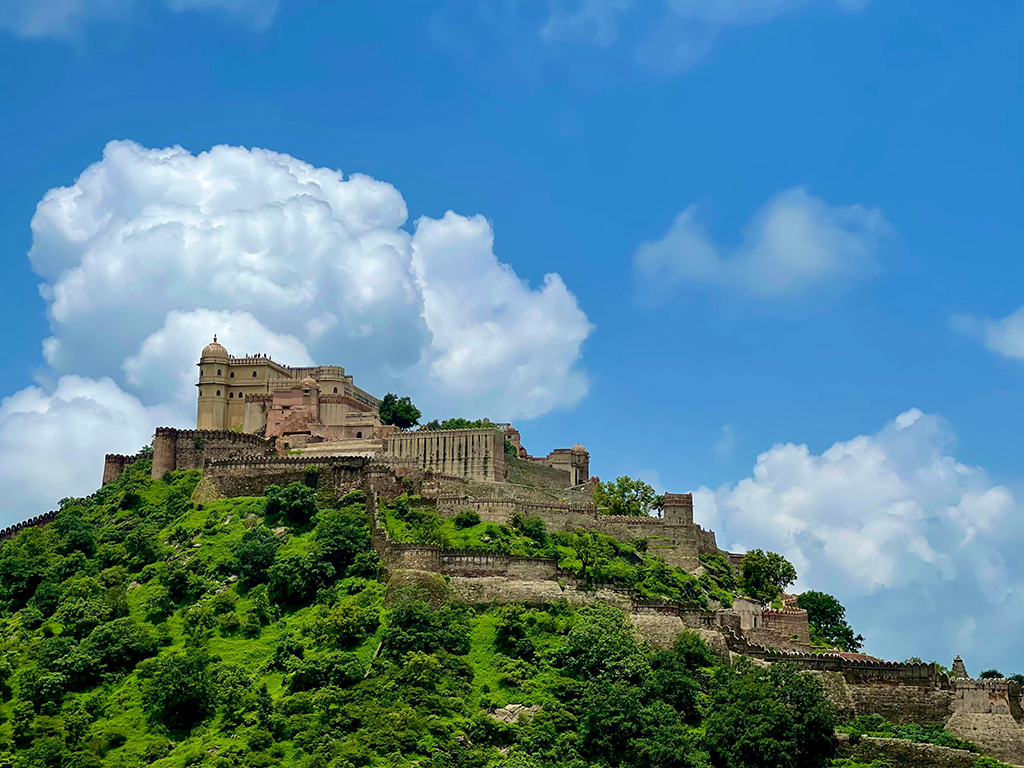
(178, 689)
(532, 526)
(467, 518)
(255, 554)
(296, 503)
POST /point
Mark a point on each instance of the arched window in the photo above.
(254, 374)
(232, 374)
(218, 393)
(218, 371)
(359, 434)
(231, 395)
(335, 390)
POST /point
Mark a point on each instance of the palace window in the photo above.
(335, 390)
(359, 434)
(218, 393)
(232, 374)
(231, 395)
(254, 374)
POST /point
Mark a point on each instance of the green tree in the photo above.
(625, 496)
(341, 534)
(774, 717)
(255, 554)
(179, 689)
(764, 575)
(827, 619)
(990, 674)
(399, 411)
(296, 503)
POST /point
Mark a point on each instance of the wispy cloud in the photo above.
(65, 20)
(794, 244)
(681, 32)
(1004, 336)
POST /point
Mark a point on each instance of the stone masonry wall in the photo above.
(899, 752)
(191, 448)
(788, 623)
(249, 477)
(478, 454)
(114, 464)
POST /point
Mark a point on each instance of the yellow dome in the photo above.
(578, 449)
(310, 383)
(214, 349)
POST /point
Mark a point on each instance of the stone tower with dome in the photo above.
(257, 395)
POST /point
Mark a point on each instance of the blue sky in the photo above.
(779, 223)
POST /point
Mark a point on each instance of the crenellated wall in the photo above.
(477, 454)
(32, 522)
(114, 464)
(251, 476)
(191, 448)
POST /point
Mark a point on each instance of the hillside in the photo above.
(140, 628)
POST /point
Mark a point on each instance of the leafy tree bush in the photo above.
(990, 674)
(460, 423)
(467, 518)
(295, 579)
(827, 619)
(764, 575)
(412, 626)
(255, 554)
(399, 411)
(876, 725)
(625, 496)
(532, 526)
(295, 503)
(340, 535)
(179, 688)
(769, 718)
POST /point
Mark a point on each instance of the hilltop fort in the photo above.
(261, 423)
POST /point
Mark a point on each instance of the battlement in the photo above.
(32, 522)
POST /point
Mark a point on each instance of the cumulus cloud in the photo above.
(65, 19)
(152, 251)
(794, 244)
(685, 30)
(491, 332)
(1004, 336)
(52, 443)
(885, 520)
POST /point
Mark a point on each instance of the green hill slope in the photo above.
(141, 629)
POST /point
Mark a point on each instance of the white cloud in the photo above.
(52, 444)
(152, 251)
(683, 32)
(726, 442)
(66, 19)
(885, 520)
(588, 21)
(164, 367)
(495, 341)
(794, 244)
(1004, 337)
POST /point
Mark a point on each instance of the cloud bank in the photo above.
(795, 244)
(909, 537)
(152, 251)
(65, 19)
(1004, 336)
(683, 30)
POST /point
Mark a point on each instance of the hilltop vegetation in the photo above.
(141, 629)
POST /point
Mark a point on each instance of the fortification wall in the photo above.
(477, 454)
(251, 476)
(32, 522)
(900, 752)
(988, 712)
(191, 448)
(790, 624)
(114, 464)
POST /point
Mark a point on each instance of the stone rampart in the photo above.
(477, 454)
(900, 752)
(191, 448)
(114, 464)
(32, 522)
(251, 476)
(791, 624)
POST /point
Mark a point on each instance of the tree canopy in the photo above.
(625, 496)
(764, 575)
(827, 619)
(398, 411)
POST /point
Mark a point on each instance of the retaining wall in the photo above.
(192, 448)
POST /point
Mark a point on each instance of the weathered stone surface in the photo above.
(501, 590)
(998, 735)
(905, 754)
(838, 693)
(511, 713)
(429, 586)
